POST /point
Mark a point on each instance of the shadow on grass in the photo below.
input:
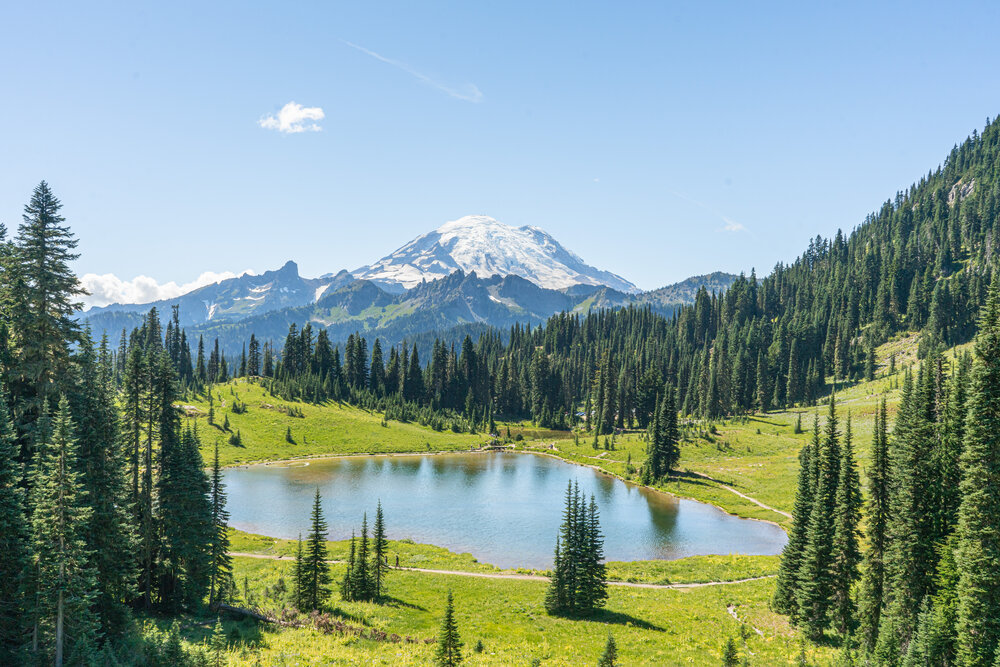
(396, 602)
(615, 618)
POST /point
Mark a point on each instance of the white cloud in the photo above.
(109, 288)
(732, 226)
(467, 92)
(293, 118)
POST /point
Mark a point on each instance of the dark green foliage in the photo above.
(380, 553)
(578, 586)
(449, 645)
(730, 656)
(816, 580)
(185, 519)
(873, 578)
(47, 291)
(610, 656)
(13, 543)
(845, 554)
(221, 562)
(785, 596)
(978, 548)
(316, 571)
(64, 578)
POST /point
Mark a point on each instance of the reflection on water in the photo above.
(503, 508)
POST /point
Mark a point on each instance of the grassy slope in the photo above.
(651, 627)
(325, 429)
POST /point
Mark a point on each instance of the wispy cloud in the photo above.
(728, 224)
(467, 92)
(732, 226)
(293, 118)
(108, 288)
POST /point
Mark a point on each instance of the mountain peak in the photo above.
(485, 246)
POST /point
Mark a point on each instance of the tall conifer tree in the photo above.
(978, 525)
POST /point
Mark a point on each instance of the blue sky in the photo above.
(656, 140)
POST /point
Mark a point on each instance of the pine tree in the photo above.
(978, 550)
(222, 562)
(610, 656)
(786, 591)
(872, 581)
(730, 656)
(299, 582)
(449, 644)
(109, 535)
(815, 591)
(65, 585)
(380, 554)
(845, 554)
(44, 320)
(317, 570)
(219, 645)
(13, 543)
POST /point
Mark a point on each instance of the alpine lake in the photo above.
(503, 508)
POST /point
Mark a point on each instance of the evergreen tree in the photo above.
(786, 591)
(815, 591)
(380, 553)
(299, 581)
(222, 562)
(610, 656)
(44, 320)
(730, 656)
(13, 544)
(65, 584)
(978, 549)
(219, 644)
(317, 570)
(449, 645)
(872, 581)
(845, 554)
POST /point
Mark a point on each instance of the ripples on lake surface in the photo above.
(503, 508)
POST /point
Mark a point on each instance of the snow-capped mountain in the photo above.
(487, 247)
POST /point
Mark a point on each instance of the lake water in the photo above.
(503, 508)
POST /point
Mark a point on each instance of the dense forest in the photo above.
(925, 590)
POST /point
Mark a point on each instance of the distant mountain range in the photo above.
(473, 272)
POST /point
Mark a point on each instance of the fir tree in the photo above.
(815, 590)
(13, 543)
(872, 581)
(610, 656)
(65, 585)
(44, 320)
(449, 645)
(845, 554)
(222, 562)
(317, 570)
(978, 549)
(380, 553)
(730, 656)
(219, 645)
(786, 591)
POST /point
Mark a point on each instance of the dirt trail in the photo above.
(521, 577)
(741, 495)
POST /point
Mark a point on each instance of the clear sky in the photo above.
(657, 140)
